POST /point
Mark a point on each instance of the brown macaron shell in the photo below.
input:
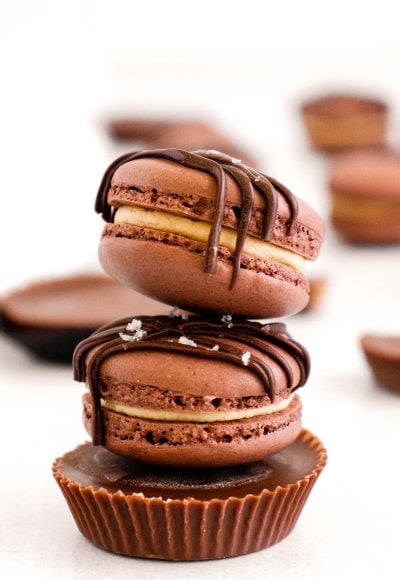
(170, 267)
(365, 194)
(177, 189)
(383, 356)
(196, 381)
(124, 507)
(175, 275)
(339, 122)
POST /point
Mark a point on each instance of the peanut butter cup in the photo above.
(51, 317)
(341, 121)
(139, 510)
(383, 356)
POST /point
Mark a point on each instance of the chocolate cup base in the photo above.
(176, 276)
(50, 317)
(50, 344)
(133, 509)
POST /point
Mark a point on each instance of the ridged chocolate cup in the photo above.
(383, 356)
(339, 122)
(50, 317)
(192, 529)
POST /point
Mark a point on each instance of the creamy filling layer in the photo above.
(199, 231)
(189, 416)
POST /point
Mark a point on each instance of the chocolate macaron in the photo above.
(365, 193)
(206, 233)
(194, 391)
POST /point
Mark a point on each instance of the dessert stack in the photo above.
(197, 446)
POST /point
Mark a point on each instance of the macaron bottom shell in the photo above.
(198, 445)
(174, 274)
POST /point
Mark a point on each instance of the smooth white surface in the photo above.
(64, 69)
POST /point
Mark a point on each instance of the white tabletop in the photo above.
(350, 526)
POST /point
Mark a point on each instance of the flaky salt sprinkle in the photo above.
(227, 319)
(215, 347)
(185, 340)
(139, 334)
(134, 325)
(246, 358)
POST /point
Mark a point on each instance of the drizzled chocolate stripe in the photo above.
(216, 164)
(162, 333)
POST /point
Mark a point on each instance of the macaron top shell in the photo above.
(192, 375)
(169, 178)
(171, 173)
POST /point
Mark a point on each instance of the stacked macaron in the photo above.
(195, 419)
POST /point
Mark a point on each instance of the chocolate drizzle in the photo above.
(217, 165)
(162, 333)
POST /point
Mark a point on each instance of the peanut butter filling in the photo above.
(189, 416)
(199, 231)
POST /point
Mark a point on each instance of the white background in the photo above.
(244, 66)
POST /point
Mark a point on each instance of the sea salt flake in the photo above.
(127, 337)
(246, 358)
(227, 319)
(134, 325)
(185, 340)
(215, 347)
(137, 335)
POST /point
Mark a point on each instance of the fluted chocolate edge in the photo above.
(189, 529)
